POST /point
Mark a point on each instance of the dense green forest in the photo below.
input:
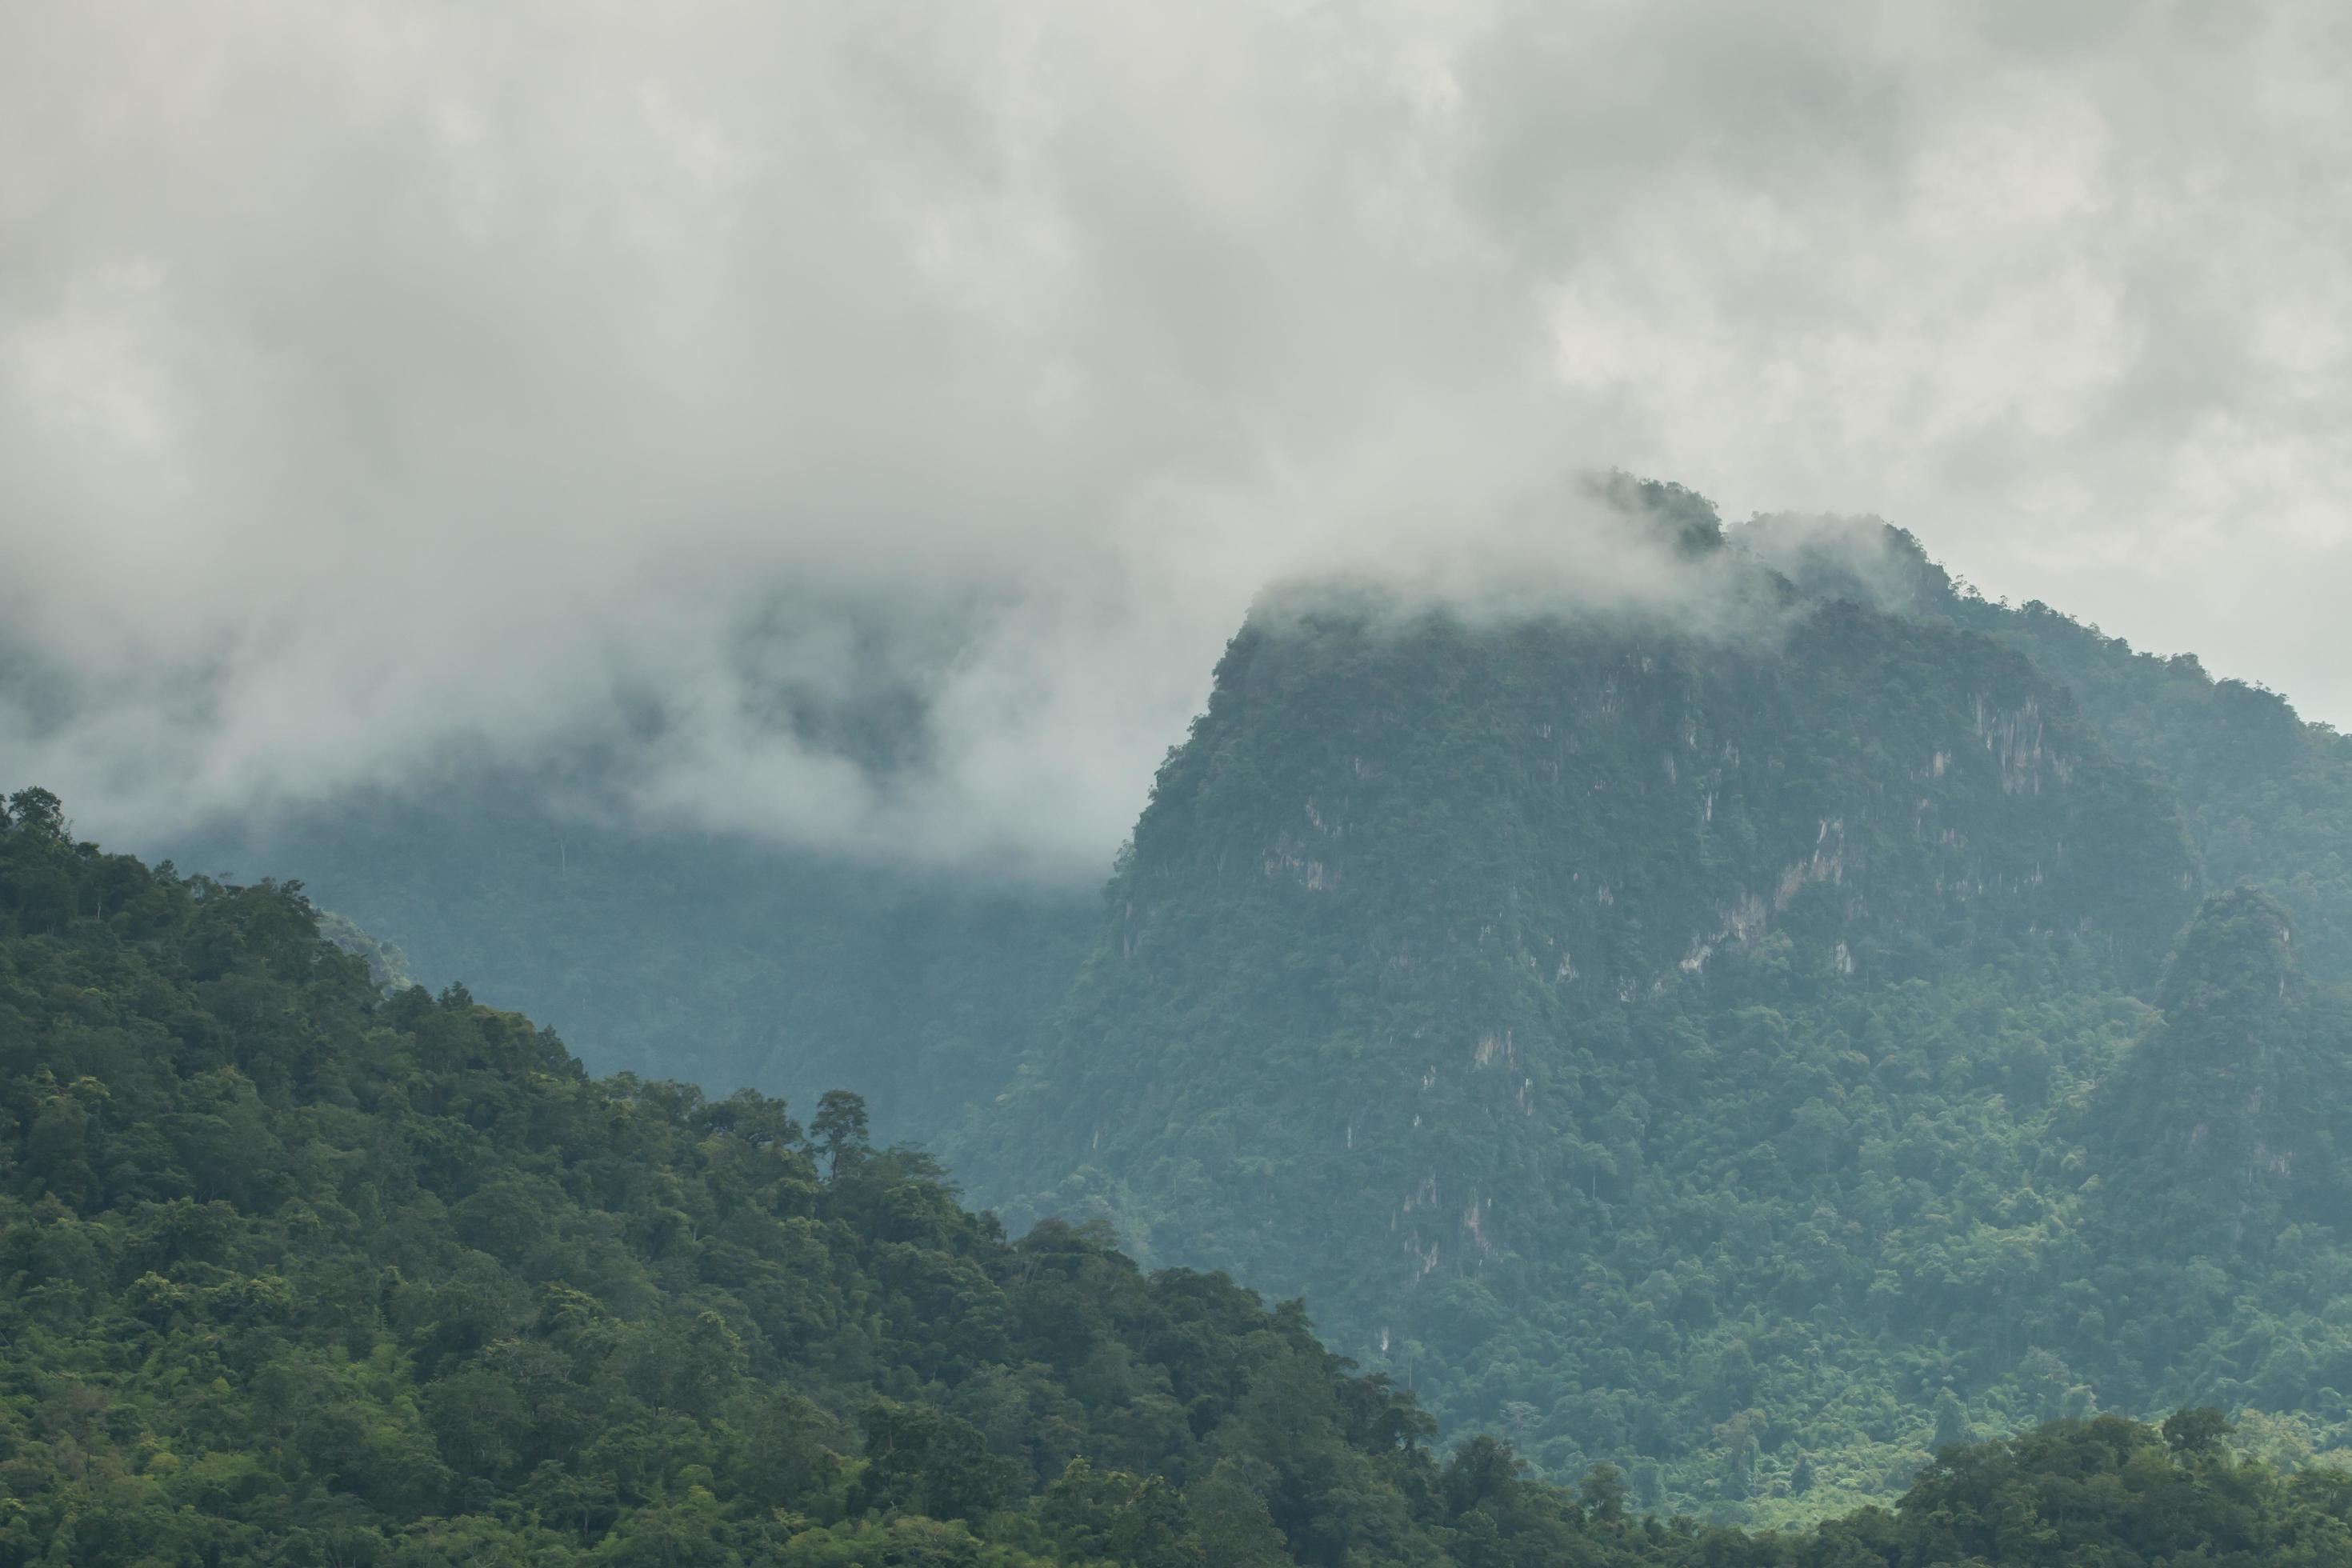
(296, 1273)
(293, 1271)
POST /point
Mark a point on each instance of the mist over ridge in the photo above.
(435, 387)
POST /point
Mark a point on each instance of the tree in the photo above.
(927, 1461)
(1602, 1492)
(38, 811)
(1138, 1520)
(839, 1128)
(1952, 1420)
(2197, 1431)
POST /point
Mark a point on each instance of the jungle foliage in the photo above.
(293, 1272)
(296, 1272)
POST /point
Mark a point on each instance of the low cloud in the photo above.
(868, 421)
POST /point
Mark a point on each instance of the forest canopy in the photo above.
(300, 1272)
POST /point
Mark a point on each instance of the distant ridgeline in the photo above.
(294, 1273)
(1727, 1052)
(716, 960)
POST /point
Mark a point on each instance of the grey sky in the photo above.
(378, 378)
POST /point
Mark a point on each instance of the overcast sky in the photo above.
(377, 379)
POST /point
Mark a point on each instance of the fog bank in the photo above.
(870, 421)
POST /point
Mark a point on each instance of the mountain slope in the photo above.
(2214, 1237)
(2215, 1131)
(2267, 796)
(293, 1274)
(1617, 1030)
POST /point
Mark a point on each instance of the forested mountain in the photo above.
(714, 960)
(1733, 1039)
(1727, 1051)
(2268, 797)
(294, 1273)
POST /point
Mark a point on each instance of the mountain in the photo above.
(1704, 1047)
(1508, 991)
(1700, 1035)
(298, 1273)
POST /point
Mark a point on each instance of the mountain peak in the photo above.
(1865, 559)
(1455, 955)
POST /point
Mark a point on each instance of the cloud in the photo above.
(871, 419)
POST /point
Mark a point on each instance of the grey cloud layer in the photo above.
(377, 379)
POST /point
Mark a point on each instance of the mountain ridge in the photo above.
(1461, 968)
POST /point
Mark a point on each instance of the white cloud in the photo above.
(376, 379)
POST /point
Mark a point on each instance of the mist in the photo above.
(861, 426)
